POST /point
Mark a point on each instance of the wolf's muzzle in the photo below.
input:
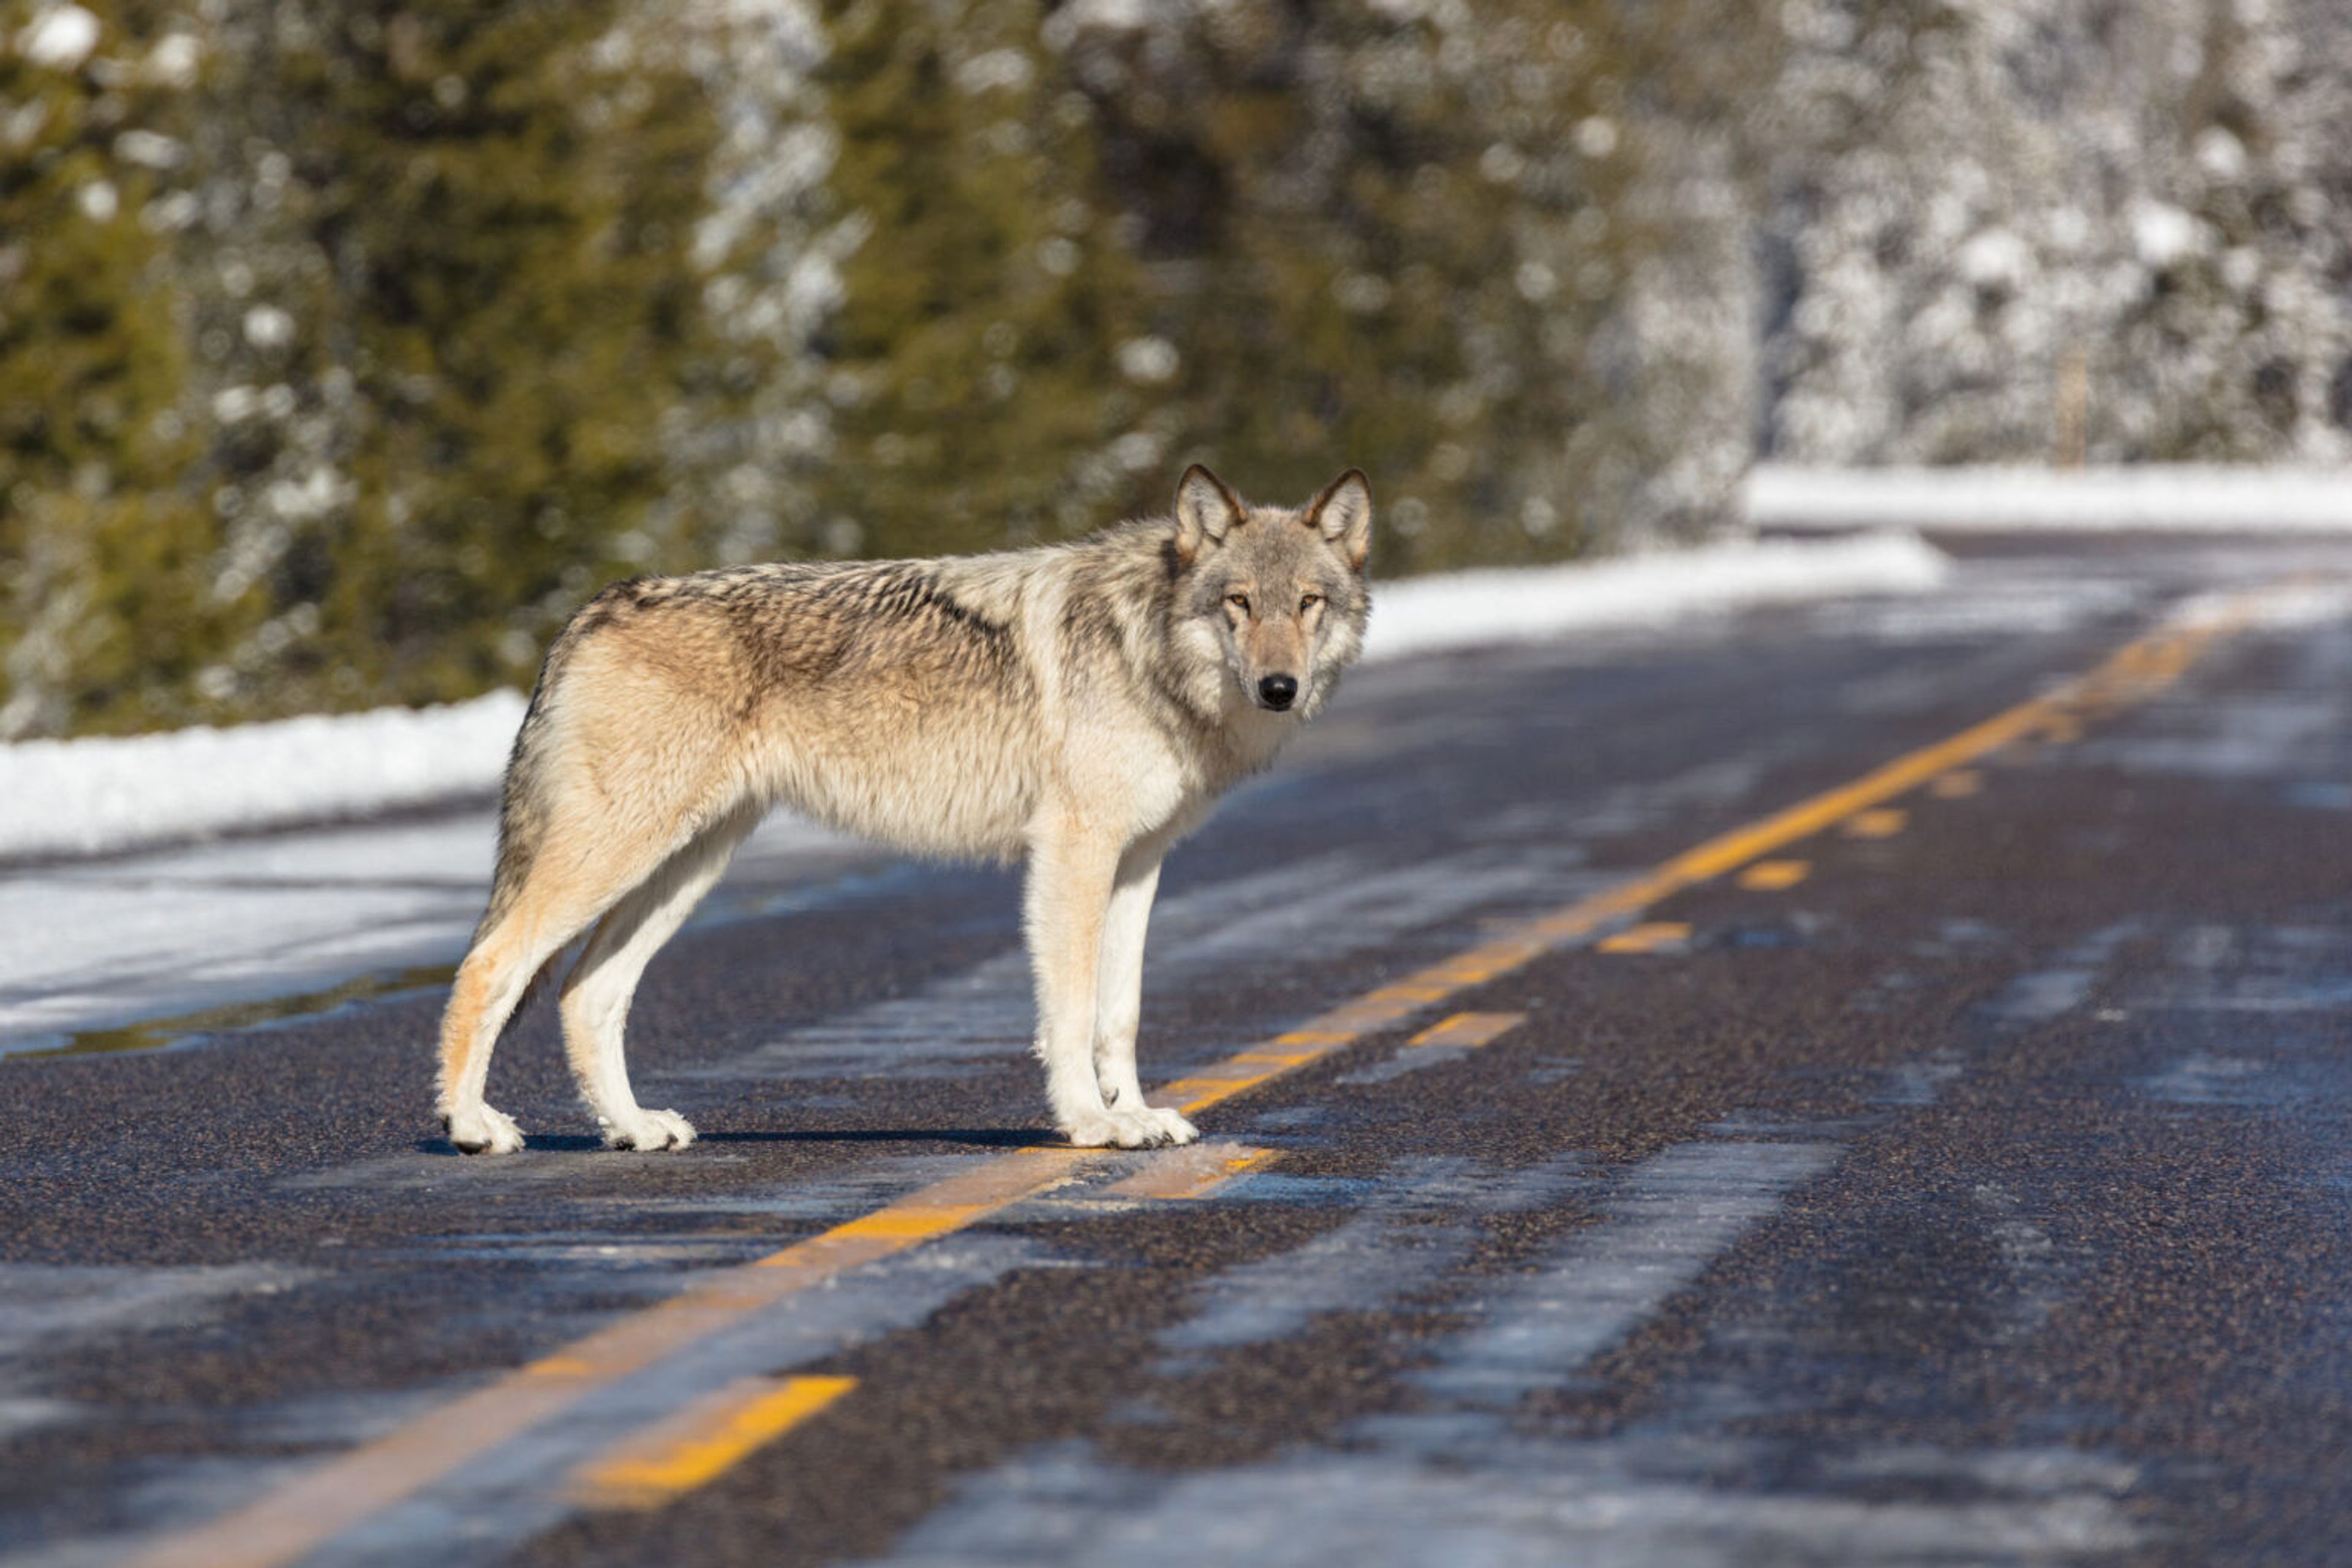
(1277, 691)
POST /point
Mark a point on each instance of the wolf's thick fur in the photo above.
(1077, 705)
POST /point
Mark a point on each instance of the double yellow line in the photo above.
(312, 1509)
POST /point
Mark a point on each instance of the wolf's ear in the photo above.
(1206, 508)
(1343, 515)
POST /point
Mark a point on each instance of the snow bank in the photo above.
(1466, 609)
(68, 798)
(89, 796)
(2152, 497)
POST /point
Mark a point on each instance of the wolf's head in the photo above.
(1271, 600)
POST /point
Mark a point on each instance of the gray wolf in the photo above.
(1077, 706)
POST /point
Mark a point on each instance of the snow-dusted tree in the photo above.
(104, 538)
(769, 250)
(1983, 215)
(974, 358)
(456, 324)
(1488, 249)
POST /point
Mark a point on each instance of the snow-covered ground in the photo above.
(2152, 497)
(92, 796)
(1469, 609)
(95, 796)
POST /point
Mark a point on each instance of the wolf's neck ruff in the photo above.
(1077, 706)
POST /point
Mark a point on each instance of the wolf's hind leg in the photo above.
(1118, 990)
(582, 868)
(490, 984)
(596, 998)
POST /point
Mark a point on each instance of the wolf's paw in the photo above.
(1173, 1127)
(649, 1131)
(1128, 1129)
(483, 1131)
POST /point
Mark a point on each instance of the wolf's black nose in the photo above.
(1277, 690)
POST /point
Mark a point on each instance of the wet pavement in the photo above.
(1960, 1180)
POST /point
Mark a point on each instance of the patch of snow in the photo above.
(268, 326)
(2222, 155)
(1468, 609)
(2163, 233)
(99, 795)
(149, 150)
(61, 37)
(1996, 257)
(2152, 497)
(1007, 68)
(2282, 607)
(1148, 360)
(174, 61)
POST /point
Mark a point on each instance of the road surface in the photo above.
(1862, 1085)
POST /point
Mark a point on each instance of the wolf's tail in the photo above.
(525, 807)
(522, 813)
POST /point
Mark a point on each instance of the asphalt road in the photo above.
(1604, 1165)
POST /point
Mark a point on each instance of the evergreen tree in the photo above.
(1391, 234)
(974, 356)
(345, 347)
(104, 542)
(484, 332)
(2043, 229)
(1350, 217)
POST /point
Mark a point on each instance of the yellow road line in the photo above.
(1771, 876)
(1881, 822)
(701, 1441)
(1956, 784)
(314, 1507)
(911, 1222)
(1647, 937)
(1194, 1172)
(1469, 1030)
(2134, 672)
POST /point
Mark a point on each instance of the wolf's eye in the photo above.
(1308, 601)
(1239, 602)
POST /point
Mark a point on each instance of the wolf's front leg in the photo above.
(1071, 875)
(1118, 989)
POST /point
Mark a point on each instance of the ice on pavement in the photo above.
(92, 945)
(96, 944)
(61, 798)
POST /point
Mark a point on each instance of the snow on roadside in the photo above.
(2150, 497)
(95, 796)
(105, 795)
(1467, 609)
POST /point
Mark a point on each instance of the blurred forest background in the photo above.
(345, 346)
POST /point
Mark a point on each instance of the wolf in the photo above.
(1078, 707)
